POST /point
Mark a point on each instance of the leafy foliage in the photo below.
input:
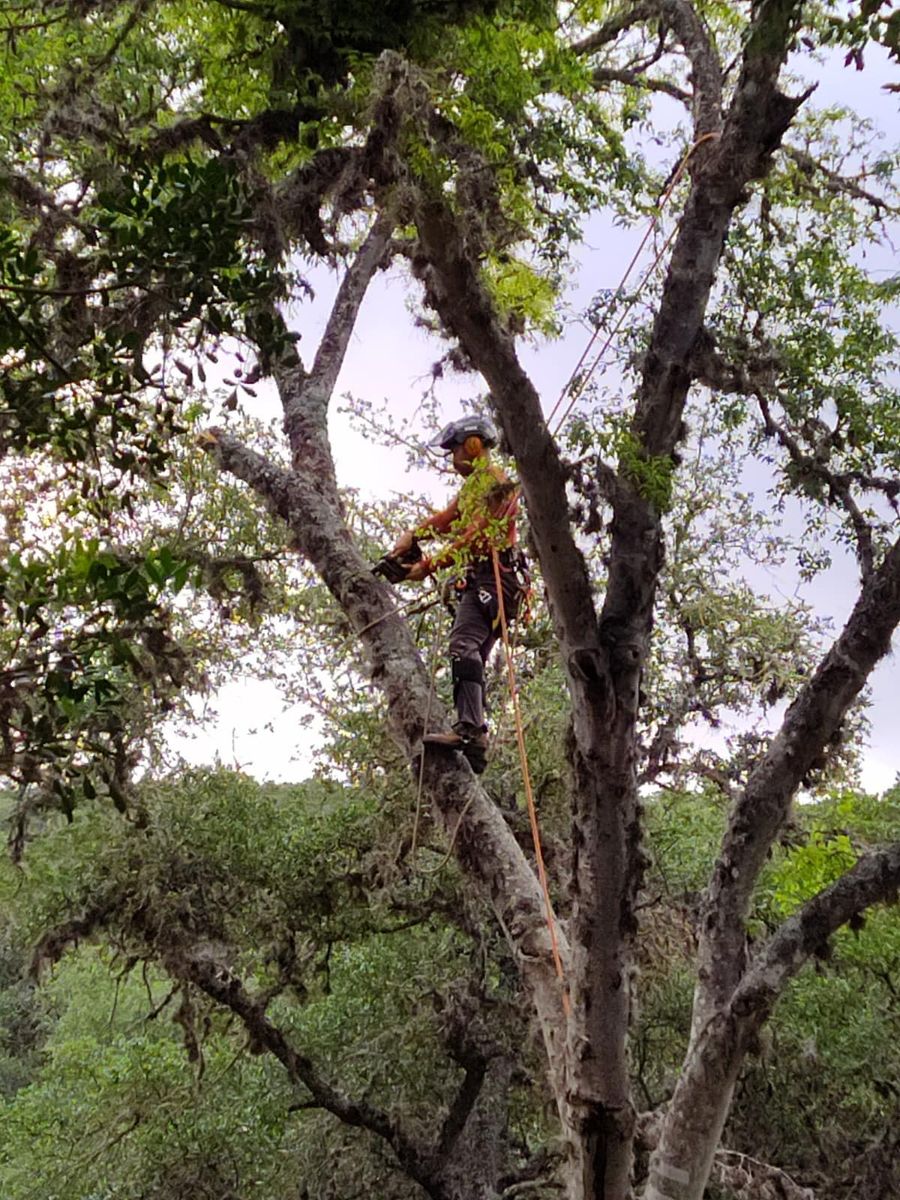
(297, 890)
(167, 171)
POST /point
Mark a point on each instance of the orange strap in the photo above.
(529, 791)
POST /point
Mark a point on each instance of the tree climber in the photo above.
(481, 520)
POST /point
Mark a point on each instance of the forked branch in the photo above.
(873, 880)
(810, 722)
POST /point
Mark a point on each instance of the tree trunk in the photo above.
(681, 1163)
(480, 1156)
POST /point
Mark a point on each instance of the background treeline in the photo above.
(120, 1079)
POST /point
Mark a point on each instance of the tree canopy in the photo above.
(173, 175)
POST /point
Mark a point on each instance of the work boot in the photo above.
(470, 739)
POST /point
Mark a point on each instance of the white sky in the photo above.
(390, 358)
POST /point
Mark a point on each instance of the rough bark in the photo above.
(706, 70)
(875, 879)
(226, 989)
(760, 811)
(603, 657)
(758, 116)
(604, 660)
(690, 1134)
(597, 1107)
(483, 841)
(472, 1143)
(307, 499)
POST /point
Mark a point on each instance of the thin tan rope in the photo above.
(676, 178)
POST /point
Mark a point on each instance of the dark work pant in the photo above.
(476, 628)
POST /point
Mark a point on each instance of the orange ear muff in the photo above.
(473, 446)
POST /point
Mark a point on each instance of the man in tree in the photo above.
(481, 522)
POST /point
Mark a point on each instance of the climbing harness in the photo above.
(585, 379)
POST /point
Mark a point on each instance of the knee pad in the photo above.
(466, 670)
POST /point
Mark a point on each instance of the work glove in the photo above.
(403, 544)
(419, 570)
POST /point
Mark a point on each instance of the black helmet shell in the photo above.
(456, 433)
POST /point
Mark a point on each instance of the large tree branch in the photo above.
(834, 182)
(477, 1052)
(811, 721)
(873, 880)
(706, 70)
(747, 1178)
(456, 290)
(729, 1005)
(815, 470)
(319, 383)
(482, 842)
(300, 196)
(637, 78)
(755, 122)
(305, 397)
(607, 865)
(720, 171)
(692, 1124)
(475, 1069)
(721, 168)
(606, 33)
(758, 116)
(678, 15)
(226, 989)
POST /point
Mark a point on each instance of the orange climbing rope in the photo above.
(676, 178)
(529, 791)
(510, 667)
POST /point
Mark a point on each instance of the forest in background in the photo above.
(118, 1081)
(219, 989)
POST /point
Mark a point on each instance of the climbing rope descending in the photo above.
(426, 724)
(526, 780)
(585, 379)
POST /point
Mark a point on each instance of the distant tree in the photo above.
(121, 1076)
(166, 166)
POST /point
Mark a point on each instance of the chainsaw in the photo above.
(395, 570)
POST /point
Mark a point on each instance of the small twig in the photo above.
(838, 486)
(836, 183)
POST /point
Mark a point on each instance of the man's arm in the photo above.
(502, 503)
(438, 522)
